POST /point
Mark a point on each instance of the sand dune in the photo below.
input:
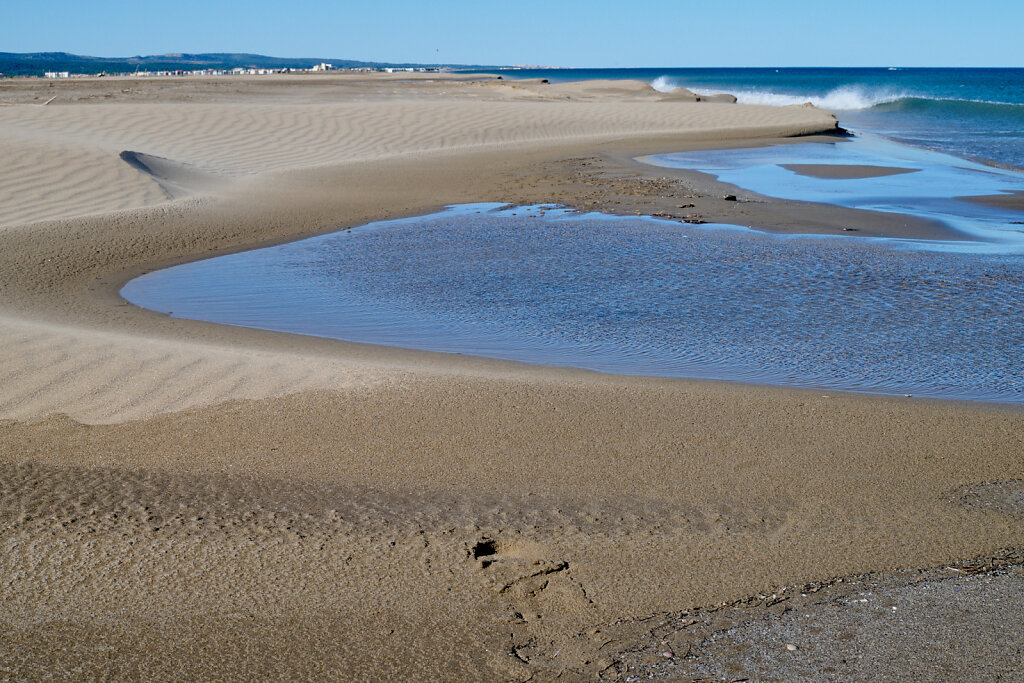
(44, 180)
(67, 156)
(176, 180)
(79, 159)
(99, 377)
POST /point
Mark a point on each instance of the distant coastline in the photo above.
(38, 64)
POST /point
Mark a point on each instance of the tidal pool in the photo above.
(907, 180)
(634, 296)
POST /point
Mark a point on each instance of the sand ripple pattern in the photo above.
(63, 160)
(102, 377)
(40, 180)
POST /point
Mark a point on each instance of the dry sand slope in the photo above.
(189, 500)
(65, 157)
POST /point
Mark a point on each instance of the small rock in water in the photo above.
(849, 229)
(791, 647)
(729, 197)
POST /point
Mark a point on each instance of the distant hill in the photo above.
(37, 63)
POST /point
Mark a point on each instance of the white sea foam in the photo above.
(663, 84)
(844, 98)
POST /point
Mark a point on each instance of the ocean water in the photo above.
(972, 113)
(633, 295)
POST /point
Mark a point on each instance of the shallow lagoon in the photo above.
(634, 296)
(932, 190)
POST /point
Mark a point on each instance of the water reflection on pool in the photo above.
(633, 296)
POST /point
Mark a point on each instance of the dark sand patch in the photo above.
(846, 171)
(907, 625)
(1005, 497)
(620, 184)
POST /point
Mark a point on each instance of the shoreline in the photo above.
(428, 339)
(1013, 201)
(363, 509)
(622, 175)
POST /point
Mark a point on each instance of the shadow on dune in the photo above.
(175, 178)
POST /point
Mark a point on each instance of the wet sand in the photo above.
(1010, 200)
(185, 499)
(623, 183)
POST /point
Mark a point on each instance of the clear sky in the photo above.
(597, 33)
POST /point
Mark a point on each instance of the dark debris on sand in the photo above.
(920, 625)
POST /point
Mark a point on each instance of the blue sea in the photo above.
(976, 114)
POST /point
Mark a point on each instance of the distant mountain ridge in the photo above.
(37, 63)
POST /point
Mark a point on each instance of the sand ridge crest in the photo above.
(230, 140)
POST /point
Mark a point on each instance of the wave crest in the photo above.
(664, 84)
(853, 98)
(843, 98)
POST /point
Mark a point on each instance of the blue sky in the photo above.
(597, 33)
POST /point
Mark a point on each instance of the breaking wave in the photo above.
(664, 84)
(844, 98)
(852, 98)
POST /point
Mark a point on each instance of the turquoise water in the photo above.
(633, 296)
(971, 113)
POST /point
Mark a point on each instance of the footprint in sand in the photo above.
(525, 573)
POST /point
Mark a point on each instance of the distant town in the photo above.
(58, 65)
(241, 71)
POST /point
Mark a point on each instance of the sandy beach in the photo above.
(182, 499)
